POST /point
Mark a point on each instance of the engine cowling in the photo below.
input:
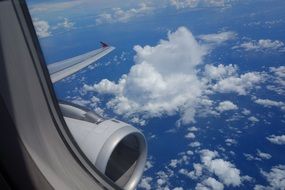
(117, 149)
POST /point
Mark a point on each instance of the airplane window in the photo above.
(171, 94)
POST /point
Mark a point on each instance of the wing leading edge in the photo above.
(62, 69)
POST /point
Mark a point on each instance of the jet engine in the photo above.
(117, 149)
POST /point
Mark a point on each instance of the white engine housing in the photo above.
(117, 149)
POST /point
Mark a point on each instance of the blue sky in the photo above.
(203, 79)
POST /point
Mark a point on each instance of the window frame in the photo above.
(20, 9)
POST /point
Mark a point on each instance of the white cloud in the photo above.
(181, 4)
(250, 157)
(216, 3)
(224, 170)
(226, 106)
(198, 168)
(53, 6)
(66, 24)
(79, 101)
(225, 79)
(278, 80)
(261, 45)
(163, 179)
(138, 120)
(241, 85)
(259, 156)
(275, 178)
(247, 178)
(173, 163)
(189, 152)
(280, 140)
(245, 111)
(263, 155)
(94, 102)
(193, 129)
(208, 155)
(230, 142)
(195, 174)
(195, 144)
(148, 165)
(210, 184)
(185, 172)
(178, 188)
(42, 28)
(265, 24)
(253, 119)
(218, 38)
(190, 135)
(120, 15)
(183, 160)
(220, 72)
(145, 183)
(278, 71)
(107, 87)
(270, 103)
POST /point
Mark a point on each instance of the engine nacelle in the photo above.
(117, 149)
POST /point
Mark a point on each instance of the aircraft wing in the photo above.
(67, 67)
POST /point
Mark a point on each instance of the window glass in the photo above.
(202, 80)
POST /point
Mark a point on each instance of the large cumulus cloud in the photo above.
(163, 81)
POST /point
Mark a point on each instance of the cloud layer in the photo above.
(275, 178)
(280, 140)
(180, 4)
(226, 106)
(224, 170)
(172, 78)
(42, 28)
(121, 15)
(262, 45)
(218, 37)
